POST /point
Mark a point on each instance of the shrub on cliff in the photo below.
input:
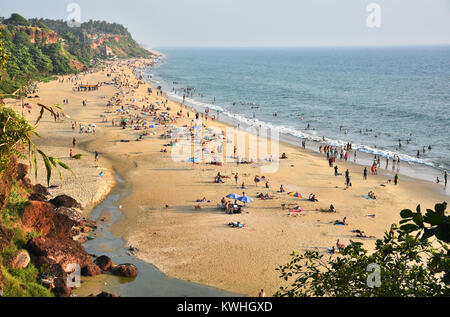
(16, 19)
(17, 282)
(21, 284)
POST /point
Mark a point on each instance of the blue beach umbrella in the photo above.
(233, 196)
(245, 199)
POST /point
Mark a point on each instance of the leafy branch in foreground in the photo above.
(16, 135)
(408, 266)
(434, 223)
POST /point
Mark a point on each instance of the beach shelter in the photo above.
(233, 196)
(245, 199)
(296, 194)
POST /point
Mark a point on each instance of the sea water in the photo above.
(375, 98)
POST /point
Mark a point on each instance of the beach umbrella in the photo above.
(297, 194)
(233, 196)
(245, 199)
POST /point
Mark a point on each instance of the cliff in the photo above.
(35, 33)
(42, 48)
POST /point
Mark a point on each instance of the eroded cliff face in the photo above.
(49, 37)
(35, 33)
(95, 43)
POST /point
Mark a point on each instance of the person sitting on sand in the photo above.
(343, 222)
(243, 186)
(284, 156)
(339, 246)
(371, 195)
(223, 201)
(332, 209)
(282, 189)
(312, 198)
(332, 250)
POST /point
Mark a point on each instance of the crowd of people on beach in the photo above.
(147, 117)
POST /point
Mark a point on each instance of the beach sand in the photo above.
(197, 244)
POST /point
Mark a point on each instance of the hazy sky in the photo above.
(266, 23)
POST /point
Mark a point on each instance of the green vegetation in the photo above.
(12, 213)
(18, 282)
(17, 134)
(408, 265)
(30, 62)
(16, 19)
(57, 49)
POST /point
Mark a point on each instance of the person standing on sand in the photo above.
(347, 181)
(445, 178)
(71, 154)
(365, 173)
(96, 156)
(262, 293)
(74, 142)
(236, 178)
(396, 179)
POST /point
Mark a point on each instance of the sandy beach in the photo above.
(191, 240)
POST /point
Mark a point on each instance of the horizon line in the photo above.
(299, 46)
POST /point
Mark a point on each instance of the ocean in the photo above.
(374, 98)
